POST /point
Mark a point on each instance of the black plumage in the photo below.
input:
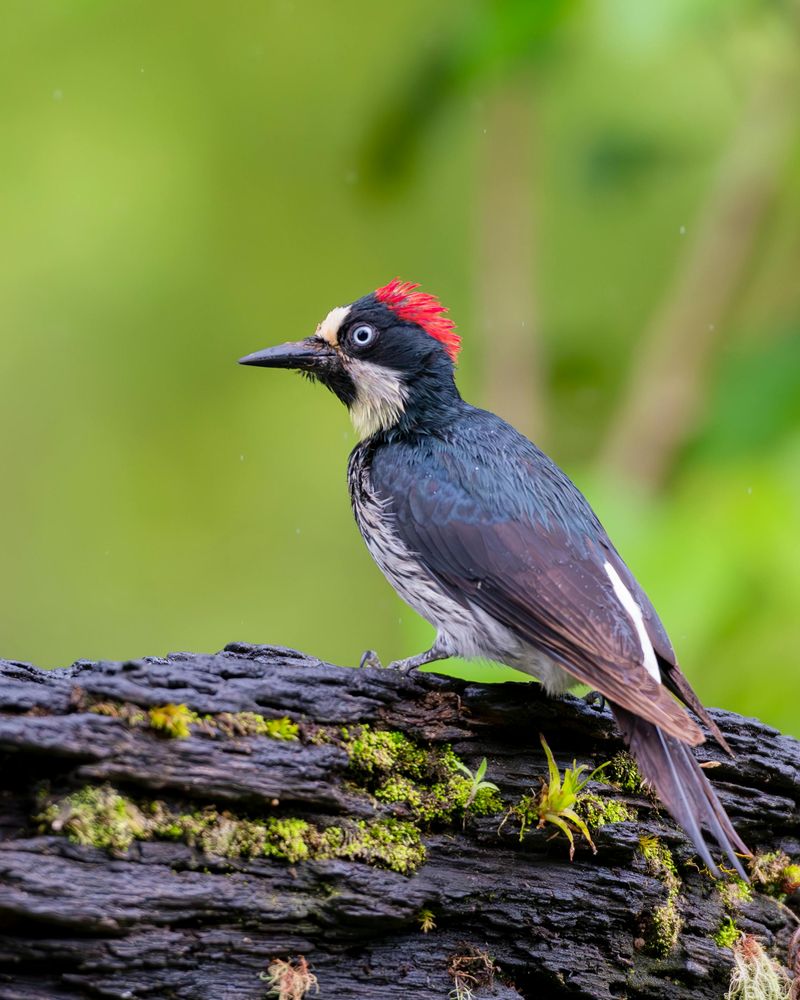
(490, 541)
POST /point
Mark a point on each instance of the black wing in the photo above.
(501, 526)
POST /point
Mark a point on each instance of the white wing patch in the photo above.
(628, 601)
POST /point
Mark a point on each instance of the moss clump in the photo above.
(252, 724)
(790, 881)
(387, 843)
(597, 811)
(660, 861)
(624, 773)
(375, 752)
(229, 836)
(131, 714)
(727, 933)
(172, 720)
(663, 925)
(96, 817)
(175, 720)
(664, 928)
(101, 817)
(775, 874)
(734, 892)
(430, 784)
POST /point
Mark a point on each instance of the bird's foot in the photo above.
(370, 659)
(404, 666)
(595, 698)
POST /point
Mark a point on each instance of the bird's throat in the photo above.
(380, 399)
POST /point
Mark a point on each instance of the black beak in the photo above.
(309, 355)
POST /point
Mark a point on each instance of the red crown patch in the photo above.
(423, 309)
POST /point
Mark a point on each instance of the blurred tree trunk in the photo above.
(675, 358)
(506, 295)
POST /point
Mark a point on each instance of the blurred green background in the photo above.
(606, 194)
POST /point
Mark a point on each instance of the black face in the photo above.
(372, 332)
(363, 353)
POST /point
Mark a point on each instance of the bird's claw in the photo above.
(370, 659)
(403, 666)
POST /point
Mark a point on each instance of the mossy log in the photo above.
(298, 812)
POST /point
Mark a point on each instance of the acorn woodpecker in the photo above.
(485, 537)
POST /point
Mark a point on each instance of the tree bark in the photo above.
(513, 917)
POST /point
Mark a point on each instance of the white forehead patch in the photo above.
(329, 328)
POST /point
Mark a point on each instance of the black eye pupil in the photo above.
(363, 335)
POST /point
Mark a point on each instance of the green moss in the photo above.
(557, 801)
(660, 861)
(133, 715)
(101, 817)
(387, 843)
(526, 811)
(375, 752)
(734, 892)
(598, 811)
(175, 720)
(790, 880)
(775, 873)
(624, 773)
(96, 817)
(727, 933)
(663, 926)
(172, 720)
(487, 802)
(429, 784)
(252, 724)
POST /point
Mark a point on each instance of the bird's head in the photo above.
(389, 357)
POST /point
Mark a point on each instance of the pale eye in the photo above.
(363, 335)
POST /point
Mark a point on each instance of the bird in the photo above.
(485, 537)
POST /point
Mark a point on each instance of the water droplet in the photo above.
(58, 94)
(682, 230)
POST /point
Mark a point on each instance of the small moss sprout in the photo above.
(663, 925)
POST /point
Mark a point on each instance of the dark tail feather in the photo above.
(669, 766)
(679, 686)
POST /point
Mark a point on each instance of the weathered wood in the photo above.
(163, 919)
